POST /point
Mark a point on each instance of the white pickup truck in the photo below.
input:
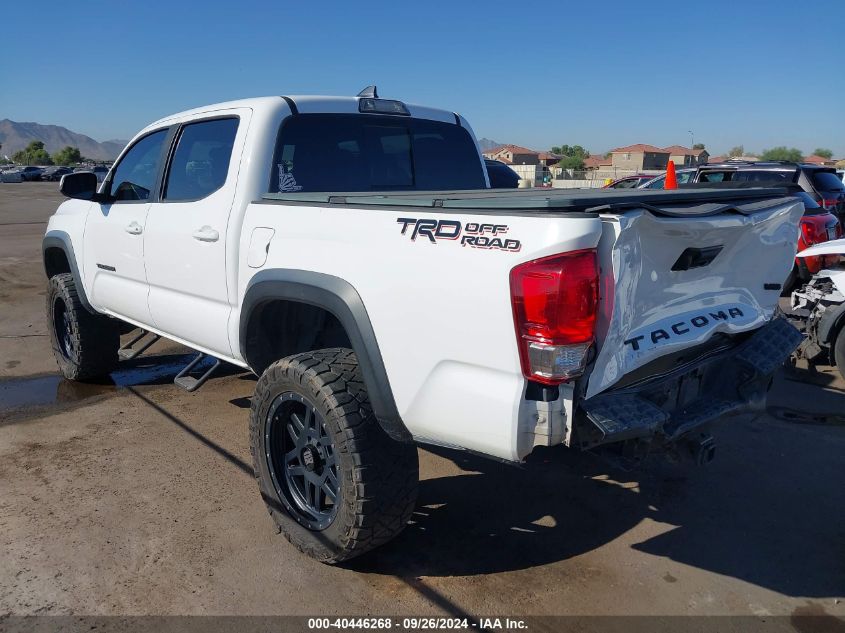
(349, 252)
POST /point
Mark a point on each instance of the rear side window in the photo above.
(362, 152)
(631, 183)
(827, 181)
(201, 160)
(763, 176)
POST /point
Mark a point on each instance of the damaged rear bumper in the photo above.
(669, 408)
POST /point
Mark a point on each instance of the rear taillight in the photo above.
(828, 203)
(555, 302)
(813, 233)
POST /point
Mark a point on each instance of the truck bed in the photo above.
(679, 202)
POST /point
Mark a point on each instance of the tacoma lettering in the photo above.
(682, 327)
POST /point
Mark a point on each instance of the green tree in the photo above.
(573, 156)
(571, 162)
(739, 150)
(67, 156)
(698, 146)
(575, 151)
(823, 152)
(781, 152)
(34, 154)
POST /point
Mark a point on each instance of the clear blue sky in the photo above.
(753, 72)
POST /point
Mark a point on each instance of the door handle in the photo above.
(133, 228)
(206, 234)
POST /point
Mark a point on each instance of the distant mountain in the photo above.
(15, 136)
(486, 143)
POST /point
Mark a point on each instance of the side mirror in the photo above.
(80, 185)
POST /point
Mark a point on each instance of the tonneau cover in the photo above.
(672, 203)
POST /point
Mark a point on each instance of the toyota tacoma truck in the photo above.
(350, 253)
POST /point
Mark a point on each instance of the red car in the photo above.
(817, 226)
(629, 182)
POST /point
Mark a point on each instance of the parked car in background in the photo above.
(818, 308)
(31, 173)
(822, 183)
(12, 174)
(818, 225)
(629, 182)
(98, 170)
(55, 173)
(659, 182)
(501, 176)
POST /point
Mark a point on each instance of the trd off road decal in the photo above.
(474, 234)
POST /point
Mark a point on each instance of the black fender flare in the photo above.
(342, 300)
(61, 240)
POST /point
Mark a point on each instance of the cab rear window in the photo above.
(363, 152)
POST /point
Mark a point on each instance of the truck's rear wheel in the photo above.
(85, 344)
(334, 483)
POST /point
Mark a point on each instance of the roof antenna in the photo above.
(370, 92)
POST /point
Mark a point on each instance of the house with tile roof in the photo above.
(686, 157)
(598, 162)
(820, 160)
(513, 155)
(639, 157)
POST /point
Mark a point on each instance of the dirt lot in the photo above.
(138, 498)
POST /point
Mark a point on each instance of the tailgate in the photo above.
(672, 278)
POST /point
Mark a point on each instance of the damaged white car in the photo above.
(819, 307)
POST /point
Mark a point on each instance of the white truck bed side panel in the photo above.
(441, 311)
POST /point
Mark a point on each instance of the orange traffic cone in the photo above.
(671, 178)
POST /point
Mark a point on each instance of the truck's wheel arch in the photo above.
(57, 253)
(342, 301)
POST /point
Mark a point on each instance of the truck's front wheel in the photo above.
(85, 344)
(334, 483)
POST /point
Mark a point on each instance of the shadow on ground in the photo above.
(771, 514)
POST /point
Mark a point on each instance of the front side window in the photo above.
(364, 152)
(201, 160)
(685, 177)
(134, 177)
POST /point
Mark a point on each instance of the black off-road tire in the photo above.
(378, 477)
(839, 351)
(84, 343)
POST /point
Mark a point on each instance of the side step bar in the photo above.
(127, 352)
(192, 383)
